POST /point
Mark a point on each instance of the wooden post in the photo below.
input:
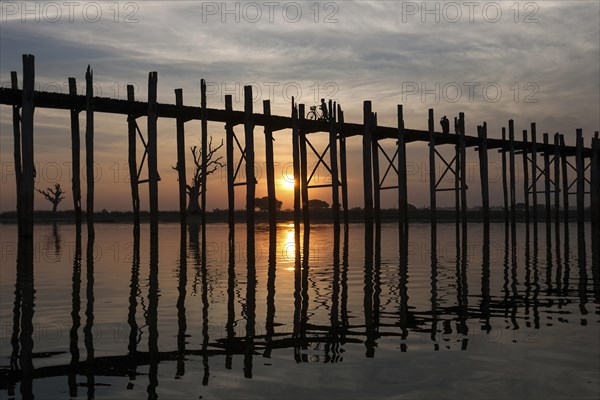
(270, 164)
(504, 187)
(333, 160)
(75, 158)
(432, 179)
(27, 184)
(463, 169)
(153, 152)
(303, 167)
(296, 163)
(526, 175)
(534, 173)
(230, 161)
(250, 179)
(132, 158)
(343, 170)
(181, 158)
(511, 155)
(565, 179)
(375, 159)
(17, 149)
(204, 126)
(402, 187)
(483, 172)
(556, 179)
(457, 171)
(89, 149)
(580, 177)
(547, 179)
(595, 181)
(367, 170)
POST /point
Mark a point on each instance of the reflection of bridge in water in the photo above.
(547, 290)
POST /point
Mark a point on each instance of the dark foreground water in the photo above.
(458, 314)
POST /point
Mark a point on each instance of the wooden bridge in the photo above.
(556, 155)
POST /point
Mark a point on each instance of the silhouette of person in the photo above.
(324, 109)
(445, 124)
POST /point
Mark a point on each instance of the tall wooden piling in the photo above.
(250, 178)
(89, 150)
(595, 181)
(343, 165)
(432, 179)
(303, 166)
(367, 171)
(181, 158)
(504, 186)
(547, 179)
(204, 132)
(296, 163)
(463, 169)
(270, 164)
(153, 152)
(17, 148)
(376, 177)
(580, 177)
(75, 157)
(230, 161)
(526, 175)
(556, 178)
(534, 172)
(27, 110)
(333, 160)
(402, 187)
(483, 173)
(565, 179)
(511, 158)
(457, 172)
(132, 158)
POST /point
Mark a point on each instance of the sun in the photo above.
(287, 183)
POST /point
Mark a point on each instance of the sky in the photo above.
(494, 61)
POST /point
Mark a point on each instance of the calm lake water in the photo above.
(509, 313)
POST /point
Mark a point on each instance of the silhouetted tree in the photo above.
(316, 204)
(263, 203)
(53, 196)
(194, 190)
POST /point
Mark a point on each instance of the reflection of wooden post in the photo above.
(17, 148)
(270, 164)
(250, 179)
(525, 176)
(75, 157)
(565, 179)
(303, 167)
(152, 152)
(89, 150)
(181, 157)
(547, 179)
(534, 173)
(511, 159)
(556, 179)
(483, 172)
(343, 171)
(504, 187)
(463, 169)
(296, 163)
(230, 161)
(580, 176)
(333, 160)
(131, 140)
(402, 188)
(375, 158)
(367, 170)
(204, 126)
(27, 183)
(432, 199)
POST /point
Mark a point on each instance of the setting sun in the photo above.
(287, 183)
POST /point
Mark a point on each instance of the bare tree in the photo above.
(53, 196)
(194, 190)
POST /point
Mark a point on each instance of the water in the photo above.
(504, 314)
